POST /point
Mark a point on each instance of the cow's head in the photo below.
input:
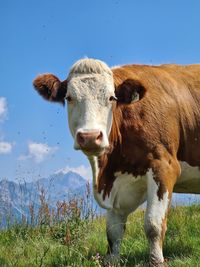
(90, 93)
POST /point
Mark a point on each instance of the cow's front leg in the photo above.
(160, 187)
(115, 227)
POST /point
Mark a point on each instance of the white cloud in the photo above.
(84, 171)
(5, 147)
(38, 152)
(3, 108)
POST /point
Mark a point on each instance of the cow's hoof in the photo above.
(111, 260)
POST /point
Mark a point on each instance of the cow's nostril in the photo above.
(100, 136)
(80, 138)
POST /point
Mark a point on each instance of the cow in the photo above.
(139, 126)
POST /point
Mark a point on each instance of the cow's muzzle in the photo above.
(90, 142)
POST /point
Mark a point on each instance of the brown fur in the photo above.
(157, 131)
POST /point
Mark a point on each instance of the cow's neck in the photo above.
(131, 157)
(102, 168)
(95, 169)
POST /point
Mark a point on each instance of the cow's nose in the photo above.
(89, 140)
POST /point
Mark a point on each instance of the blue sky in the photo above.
(49, 36)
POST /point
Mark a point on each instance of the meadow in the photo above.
(66, 238)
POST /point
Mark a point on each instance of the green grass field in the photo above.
(83, 243)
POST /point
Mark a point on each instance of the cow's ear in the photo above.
(51, 88)
(129, 91)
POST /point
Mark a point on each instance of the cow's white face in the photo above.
(89, 91)
(89, 98)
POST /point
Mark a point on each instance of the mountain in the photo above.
(12, 197)
(17, 198)
(62, 186)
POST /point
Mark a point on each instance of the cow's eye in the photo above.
(135, 97)
(68, 98)
(113, 98)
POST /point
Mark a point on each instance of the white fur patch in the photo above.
(155, 213)
(95, 169)
(127, 193)
(156, 252)
(128, 176)
(89, 65)
(156, 209)
(106, 203)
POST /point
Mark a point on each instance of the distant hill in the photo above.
(16, 198)
(62, 186)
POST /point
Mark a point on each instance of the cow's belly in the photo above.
(189, 180)
(127, 193)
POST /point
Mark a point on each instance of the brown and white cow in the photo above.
(139, 126)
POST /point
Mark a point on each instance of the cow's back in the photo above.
(188, 79)
(171, 103)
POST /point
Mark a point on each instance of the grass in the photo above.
(83, 243)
